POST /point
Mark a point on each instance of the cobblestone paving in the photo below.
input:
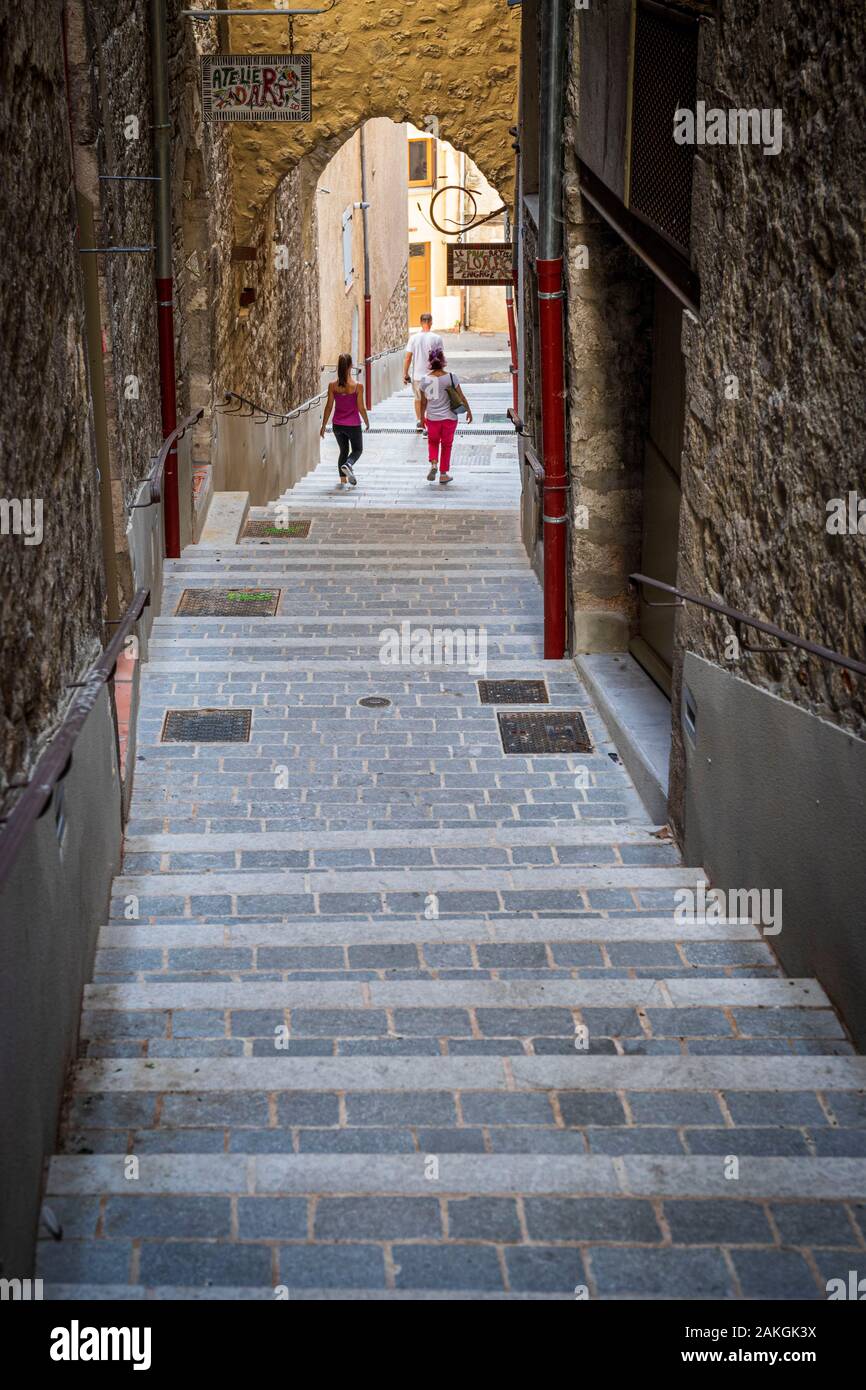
(381, 1012)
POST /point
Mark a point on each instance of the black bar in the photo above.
(813, 648)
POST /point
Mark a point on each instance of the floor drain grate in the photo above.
(228, 603)
(562, 731)
(513, 693)
(374, 702)
(260, 526)
(207, 726)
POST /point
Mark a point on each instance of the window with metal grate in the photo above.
(665, 80)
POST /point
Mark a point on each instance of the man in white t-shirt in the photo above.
(416, 363)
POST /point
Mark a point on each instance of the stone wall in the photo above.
(608, 346)
(782, 311)
(50, 620)
(393, 325)
(111, 98)
(269, 350)
(457, 60)
(115, 139)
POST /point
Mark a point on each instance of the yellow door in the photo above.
(419, 281)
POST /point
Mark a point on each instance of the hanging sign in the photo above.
(480, 263)
(257, 87)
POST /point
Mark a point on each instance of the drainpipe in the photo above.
(368, 303)
(509, 307)
(164, 280)
(550, 318)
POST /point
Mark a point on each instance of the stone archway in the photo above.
(458, 61)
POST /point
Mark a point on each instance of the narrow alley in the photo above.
(433, 631)
(405, 1014)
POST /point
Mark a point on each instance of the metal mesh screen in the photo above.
(261, 526)
(561, 732)
(665, 67)
(513, 693)
(228, 603)
(207, 726)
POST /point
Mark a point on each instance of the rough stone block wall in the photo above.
(778, 242)
(202, 223)
(50, 621)
(392, 330)
(120, 74)
(608, 355)
(111, 82)
(269, 351)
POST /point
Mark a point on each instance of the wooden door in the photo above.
(419, 281)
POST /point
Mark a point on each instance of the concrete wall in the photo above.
(776, 798)
(50, 911)
(339, 186)
(337, 189)
(264, 459)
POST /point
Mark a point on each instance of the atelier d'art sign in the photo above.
(257, 87)
(480, 263)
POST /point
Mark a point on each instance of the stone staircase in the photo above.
(382, 1012)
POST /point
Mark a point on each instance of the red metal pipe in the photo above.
(553, 437)
(165, 327)
(368, 350)
(512, 338)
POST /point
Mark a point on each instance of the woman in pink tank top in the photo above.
(346, 399)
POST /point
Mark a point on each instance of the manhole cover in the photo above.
(513, 693)
(207, 726)
(261, 526)
(374, 702)
(551, 732)
(228, 603)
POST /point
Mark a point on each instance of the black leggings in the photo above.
(349, 436)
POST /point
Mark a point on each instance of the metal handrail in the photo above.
(249, 409)
(790, 639)
(282, 417)
(55, 762)
(154, 477)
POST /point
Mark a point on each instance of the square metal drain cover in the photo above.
(513, 693)
(207, 726)
(261, 526)
(228, 603)
(554, 731)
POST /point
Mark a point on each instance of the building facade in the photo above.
(355, 242)
(435, 167)
(712, 246)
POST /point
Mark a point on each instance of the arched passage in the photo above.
(457, 61)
